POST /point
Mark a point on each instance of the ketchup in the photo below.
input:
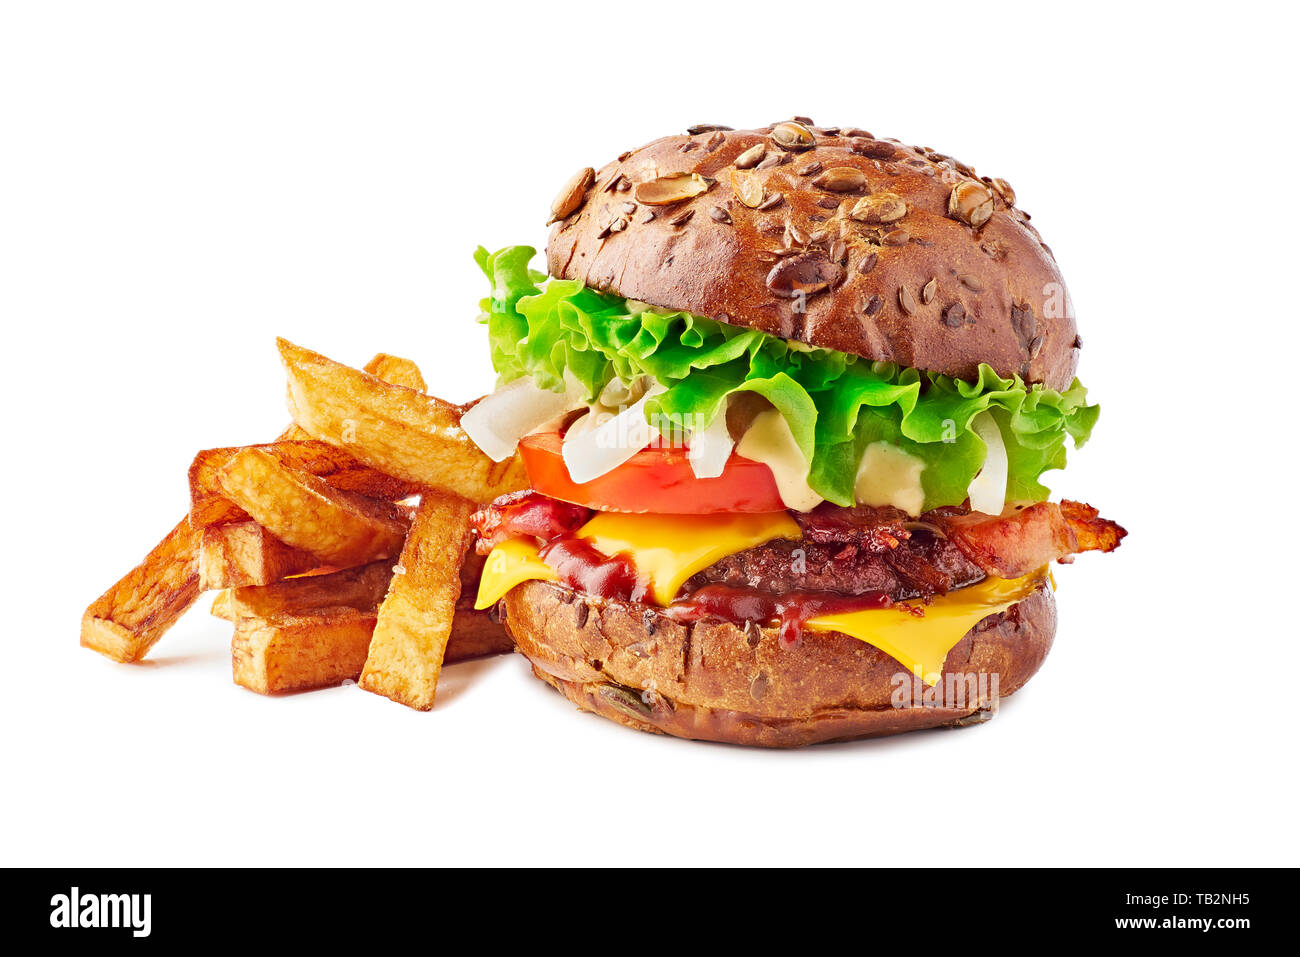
(792, 609)
(584, 569)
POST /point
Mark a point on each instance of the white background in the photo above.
(179, 183)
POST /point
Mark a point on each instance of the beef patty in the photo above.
(921, 565)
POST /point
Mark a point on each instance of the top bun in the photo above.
(829, 236)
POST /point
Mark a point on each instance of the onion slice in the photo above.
(500, 420)
(591, 452)
(711, 447)
(988, 490)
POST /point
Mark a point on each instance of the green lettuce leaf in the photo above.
(836, 404)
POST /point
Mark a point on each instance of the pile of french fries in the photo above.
(340, 551)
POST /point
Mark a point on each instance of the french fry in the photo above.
(126, 621)
(303, 633)
(362, 588)
(390, 368)
(337, 468)
(245, 553)
(339, 528)
(396, 430)
(398, 371)
(415, 620)
(293, 653)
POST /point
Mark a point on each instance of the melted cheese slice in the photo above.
(508, 564)
(922, 644)
(667, 549)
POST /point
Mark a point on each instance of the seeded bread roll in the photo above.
(716, 682)
(829, 236)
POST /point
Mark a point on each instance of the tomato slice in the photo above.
(654, 480)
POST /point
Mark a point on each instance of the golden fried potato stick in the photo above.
(245, 553)
(362, 588)
(296, 653)
(396, 430)
(390, 368)
(126, 621)
(339, 528)
(340, 470)
(415, 620)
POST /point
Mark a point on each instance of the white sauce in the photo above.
(770, 441)
(889, 476)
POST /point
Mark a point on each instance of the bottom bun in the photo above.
(716, 681)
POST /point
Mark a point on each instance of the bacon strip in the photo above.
(1011, 545)
(525, 513)
(1092, 532)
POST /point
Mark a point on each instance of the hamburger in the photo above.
(785, 397)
